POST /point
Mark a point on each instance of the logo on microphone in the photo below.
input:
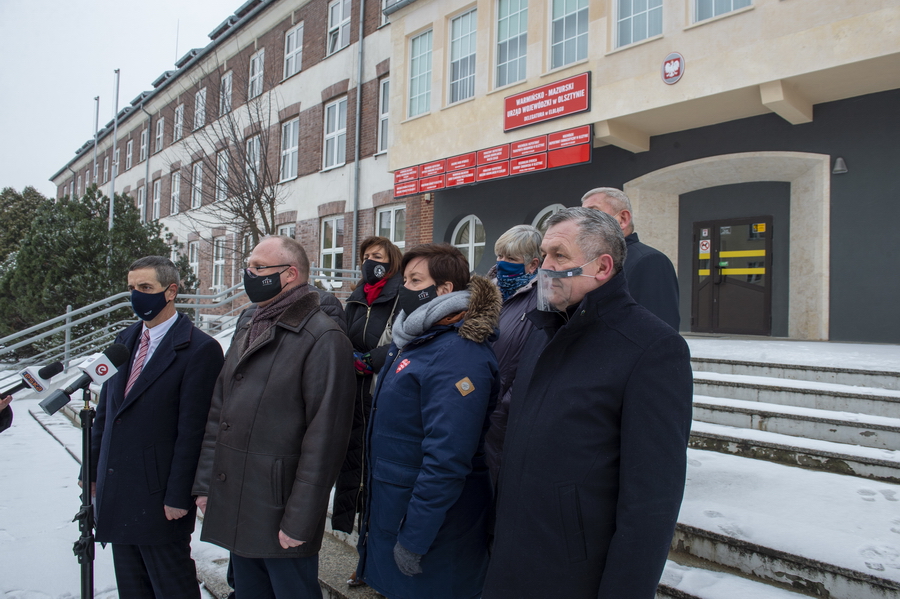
(33, 382)
(101, 369)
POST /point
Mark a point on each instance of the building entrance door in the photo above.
(732, 276)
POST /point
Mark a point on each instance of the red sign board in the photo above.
(528, 146)
(461, 161)
(551, 101)
(527, 164)
(494, 154)
(572, 137)
(431, 183)
(406, 174)
(462, 177)
(406, 189)
(569, 156)
(432, 168)
(495, 170)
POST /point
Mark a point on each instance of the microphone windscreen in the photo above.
(117, 354)
(50, 370)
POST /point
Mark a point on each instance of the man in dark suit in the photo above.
(594, 458)
(146, 440)
(652, 280)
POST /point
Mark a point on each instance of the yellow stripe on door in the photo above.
(742, 253)
(743, 271)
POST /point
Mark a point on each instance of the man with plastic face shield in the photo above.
(595, 451)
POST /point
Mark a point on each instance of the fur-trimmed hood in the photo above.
(483, 313)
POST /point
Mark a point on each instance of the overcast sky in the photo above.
(57, 55)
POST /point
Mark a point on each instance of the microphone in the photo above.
(35, 379)
(97, 370)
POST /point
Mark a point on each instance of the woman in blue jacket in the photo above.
(429, 493)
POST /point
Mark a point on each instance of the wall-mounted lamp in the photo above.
(840, 167)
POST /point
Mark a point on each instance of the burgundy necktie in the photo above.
(138, 361)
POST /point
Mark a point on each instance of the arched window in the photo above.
(540, 221)
(469, 238)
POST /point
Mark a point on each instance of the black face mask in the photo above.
(262, 288)
(410, 300)
(373, 271)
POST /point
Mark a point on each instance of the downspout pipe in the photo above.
(358, 133)
(112, 186)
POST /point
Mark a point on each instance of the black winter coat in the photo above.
(595, 454)
(365, 325)
(652, 280)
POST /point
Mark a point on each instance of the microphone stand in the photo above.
(84, 546)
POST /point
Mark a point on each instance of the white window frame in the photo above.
(384, 17)
(578, 42)
(257, 69)
(80, 186)
(200, 109)
(87, 175)
(734, 4)
(334, 146)
(253, 156)
(329, 254)
(223, 159)
(115, 164)
(156, 200)
(197, 185)
(87, 181)
(288, 230)
(544, 214)
(218, 263)
(106, 169)
(175, 196)
(463, 43)
(512, 13)
(129, 151)
(391, 230)
(384, 113)
(194, 257)
(225, 94)
(290, 149)
(637, 24)
(178, 127)
(473, 250)
(338, 37)
(142, 204)
(293, 51)
(420, 49)
(160, 131)
(145, 140)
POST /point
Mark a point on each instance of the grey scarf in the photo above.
(407, 328)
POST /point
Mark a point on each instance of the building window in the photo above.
(287, 230)
(463, 34)
(129, 150)
(80, 186)
(218, 271)
(225, 94)
(246, 248)
(256, 74)
(179, 122)
(335, 133)
(707, 9)
(194, 257)
(175, 198)
(222, 159)
(115, 166)
(156, 199)
(160, 129)
(332, 247)
(142, 204)
(197, 185)
(384, 112)
(200, 109)
(293, 51)
(106, 169)
(469, 238)
(392, 224)
(87, 180)
(638, 20)
(512, 41)
(87, 175)
(569, 32)
(290, 140)
(253, 161)
(338, 25)
(540, 221)
(144, 137)
(384, 17)
(420, 74)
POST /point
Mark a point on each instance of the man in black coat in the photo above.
(146, 440)
(652, 280)
(595, 452)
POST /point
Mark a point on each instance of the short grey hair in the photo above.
(617, 199)
(294, 254)
(598, 233)
(522, 242)
(166, 272)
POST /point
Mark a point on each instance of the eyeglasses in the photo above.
(249, 270)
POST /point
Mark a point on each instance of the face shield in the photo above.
(554, 288)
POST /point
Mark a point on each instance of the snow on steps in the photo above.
(691, 582)
(880, 379)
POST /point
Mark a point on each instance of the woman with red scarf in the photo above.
(369, 312)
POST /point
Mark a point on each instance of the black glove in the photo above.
(407, 561)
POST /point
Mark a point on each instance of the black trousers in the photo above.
(276, 578)
(156, 571)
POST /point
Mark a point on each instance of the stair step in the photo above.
(822, 396)
(839, 427)
(691, 582)
(838, 458)
(880, 379)
(337, 560)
